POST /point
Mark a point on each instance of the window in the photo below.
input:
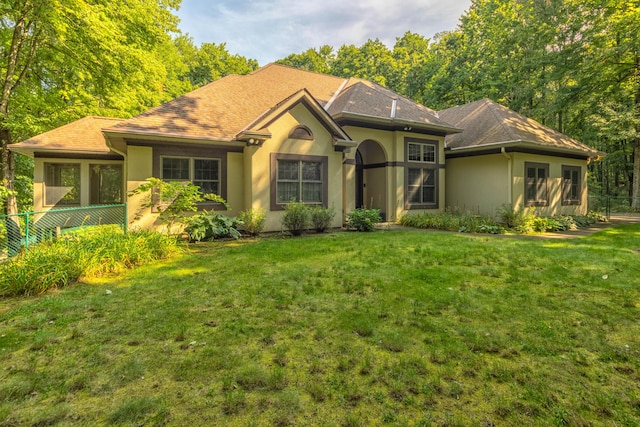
(421, 186)
(536, 189)
(300, 178)
(571, 185)
(421, 152)
(105, 182)
(421, 176)
(301, 132)
(62, 183)
(205, 173)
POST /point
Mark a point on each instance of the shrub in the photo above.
(208, 225)
(321, 218)
(253, 220)
(296, 218)
(88, 252)
(464, 222)
(363, 219)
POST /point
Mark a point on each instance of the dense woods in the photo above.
(573, 65)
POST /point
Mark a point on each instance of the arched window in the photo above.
(301, 132)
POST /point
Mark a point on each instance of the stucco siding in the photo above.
(477, 184)
(554, 184)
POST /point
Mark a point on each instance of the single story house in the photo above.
(263, 139)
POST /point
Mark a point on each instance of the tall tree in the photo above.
(63, 58)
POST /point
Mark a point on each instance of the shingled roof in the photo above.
(487, 123)
(220, 110)
(369, 102)
(223, 109)
(81, 136)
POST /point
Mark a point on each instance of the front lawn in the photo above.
(391, 327)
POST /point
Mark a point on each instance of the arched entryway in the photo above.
(371, 176)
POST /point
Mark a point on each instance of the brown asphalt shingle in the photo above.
(223, 108)
(488, 123)
(82, 135)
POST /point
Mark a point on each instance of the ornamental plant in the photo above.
(296, 218)
(363, 219)
(174, 199)
(321, 218)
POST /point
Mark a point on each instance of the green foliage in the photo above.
(363, 219)
(296, 218)
(464, 222)
(174, 199)
(321, 218)
(520, 220)
(208, 225)
(89, 252)
(253, 220)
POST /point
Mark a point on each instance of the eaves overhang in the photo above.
(389, 123)
(33, 151)
(521, 146)
(169, 137)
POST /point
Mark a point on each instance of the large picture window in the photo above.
(571, 188)
(298, 178)
(205, 173)
(536, 184)
(105, 182)
(62, 184)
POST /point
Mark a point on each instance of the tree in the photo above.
(62, 59)
(319, 61)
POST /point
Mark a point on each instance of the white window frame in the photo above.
(433, 151)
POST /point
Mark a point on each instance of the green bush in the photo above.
(208, 225)
(363, 219)
(464, 222)
(253, 220)
(89, 252)
(296, 218)
(321, 218)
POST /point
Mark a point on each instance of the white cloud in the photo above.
(271, 30)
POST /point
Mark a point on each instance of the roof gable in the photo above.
(261, 124)
(487, 123)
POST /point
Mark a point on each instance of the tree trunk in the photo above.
(635, 192)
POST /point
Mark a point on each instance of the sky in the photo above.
(268, 30)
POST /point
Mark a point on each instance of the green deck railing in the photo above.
(22, 230)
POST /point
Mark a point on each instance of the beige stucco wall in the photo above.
(139, 168)
(478, 184)
(257, 163)
(481, 184)
(555, 206)
(38, 179)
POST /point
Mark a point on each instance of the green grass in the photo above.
(347, 329)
